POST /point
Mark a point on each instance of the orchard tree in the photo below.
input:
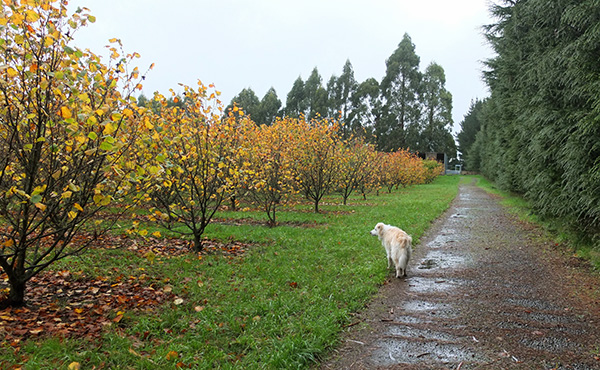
(196, 165)
(268, 167)
(409, 169)
(355, 167)
(66, 126)
(315, 153)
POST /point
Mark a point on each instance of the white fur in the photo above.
(398, 246)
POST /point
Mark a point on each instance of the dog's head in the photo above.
(377, 230)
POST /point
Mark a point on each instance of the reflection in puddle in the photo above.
(425, 285)
(441, 240)
(439, 259)
(410, 332)
(393, 351)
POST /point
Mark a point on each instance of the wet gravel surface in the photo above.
(484, 291)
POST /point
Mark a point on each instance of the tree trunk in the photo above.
(16, 295)
(198, 242)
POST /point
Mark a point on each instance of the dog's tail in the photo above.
(406, 245)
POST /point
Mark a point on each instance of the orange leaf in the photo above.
(172, 355)
(65, 113)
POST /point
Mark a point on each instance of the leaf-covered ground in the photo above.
(72, 304)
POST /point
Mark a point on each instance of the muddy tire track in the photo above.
(484, 291)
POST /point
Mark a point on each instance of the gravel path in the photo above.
(484, 291)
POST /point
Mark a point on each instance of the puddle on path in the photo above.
(441, 240)
(428, 285)
(433, 310)
(409, 332)
(393, 351)
(436, 259)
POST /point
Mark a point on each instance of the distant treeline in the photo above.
(538, 133)
(406, 109)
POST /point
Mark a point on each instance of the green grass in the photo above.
(280, 306)
(557, 230)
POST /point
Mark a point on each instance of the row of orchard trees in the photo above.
(74, 142)
(197, 160)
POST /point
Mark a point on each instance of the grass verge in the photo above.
(557, 230)
(282, 305)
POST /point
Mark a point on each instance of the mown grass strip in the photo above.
(558, 230)
(280, 306)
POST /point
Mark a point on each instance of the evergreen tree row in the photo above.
(540, 128)
(407, 109)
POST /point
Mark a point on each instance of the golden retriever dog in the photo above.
(398, 246)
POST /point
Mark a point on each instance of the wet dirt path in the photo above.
(484, 291)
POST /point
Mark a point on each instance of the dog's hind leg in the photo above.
(400, 272)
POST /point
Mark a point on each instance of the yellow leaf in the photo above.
(66, 194)
(150, 256)
(74, 366)
(128, 113)
(108, 129)
(65, 113)
(84, 97)
(148, 124)
(40, 206)
(72, 214)
(78, 207)
(8, 243)
(32, 16)
(156, 234)
(12, 72)
(105, 200)
(98, 198)
(115, 116)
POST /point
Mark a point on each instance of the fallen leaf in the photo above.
(178, 301)
(74, 366)
(172, 355)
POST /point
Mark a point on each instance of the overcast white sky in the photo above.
(237, 44)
